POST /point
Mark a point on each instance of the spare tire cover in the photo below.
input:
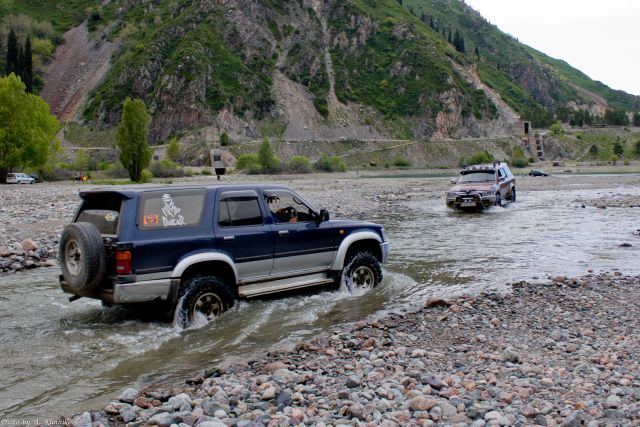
(82, 256)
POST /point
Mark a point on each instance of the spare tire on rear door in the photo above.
(82, 256)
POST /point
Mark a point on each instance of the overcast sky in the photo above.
(601, 38)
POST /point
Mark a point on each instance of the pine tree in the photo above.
(477, 53)
(456, 40)
(449, 37)
(26, 65)
(12, 53)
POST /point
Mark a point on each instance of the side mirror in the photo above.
(324, 216)
(453, 180)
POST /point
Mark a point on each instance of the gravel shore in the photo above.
(562, 352)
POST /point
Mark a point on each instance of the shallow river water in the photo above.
(61, 358)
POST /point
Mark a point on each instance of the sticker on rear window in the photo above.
(171, 213)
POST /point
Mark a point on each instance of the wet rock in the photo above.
(82, 420)
(164, 419)
(129, 395)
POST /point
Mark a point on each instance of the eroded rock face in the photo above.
(221, 65)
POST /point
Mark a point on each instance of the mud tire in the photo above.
(498, 200)
(207, 294)
(513, 195)
(364, 271)
(82, 256)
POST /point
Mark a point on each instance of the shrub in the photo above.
(555, 128)
(146, 176)
(481, 157)
(116, 170)
(520, 162)
(205, 172)
(299, 164)
(57, 174)
(400, 162)
(247, 161)
(224, 139)
(331, 164)
(166, 169)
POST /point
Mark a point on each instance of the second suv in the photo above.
(196, 249)
(482, 186)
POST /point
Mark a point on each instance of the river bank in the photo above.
(63, 358)
(565, 351)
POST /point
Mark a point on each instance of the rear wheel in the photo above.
(363, 271)
(513, 195)
(205, 296)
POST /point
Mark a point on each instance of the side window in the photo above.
(286, 206)
(170, 209)
(502, 173)
(238, 209)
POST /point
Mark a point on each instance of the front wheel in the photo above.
(498, 200)
(204, 296)
(513, 195)
(363, 271)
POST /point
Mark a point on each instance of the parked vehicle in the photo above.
(482, 186)
(196, 249)
(20, 178)
(537, 173)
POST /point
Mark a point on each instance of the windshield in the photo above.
(477, 177)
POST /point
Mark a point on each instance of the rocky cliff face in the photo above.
(300, 70)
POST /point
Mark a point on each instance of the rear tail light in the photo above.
(123, 263)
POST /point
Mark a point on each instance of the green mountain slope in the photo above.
(551, 82)
(387, 68)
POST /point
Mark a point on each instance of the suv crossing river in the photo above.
(196, 249)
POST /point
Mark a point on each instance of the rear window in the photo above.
(171, 209)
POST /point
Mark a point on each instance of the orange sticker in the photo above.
(151, 219)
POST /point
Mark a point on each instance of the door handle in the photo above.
(229, 238)
(283, 232)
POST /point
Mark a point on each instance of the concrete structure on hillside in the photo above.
(532, 140)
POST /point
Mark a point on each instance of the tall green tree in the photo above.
(267, 160)
(26, 65)
(27, 128)
(636, 118)
(12, 64)
(173, 150)
(133, 138)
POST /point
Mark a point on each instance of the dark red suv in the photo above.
(482, 186)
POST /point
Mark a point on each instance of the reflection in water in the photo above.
(60, 358)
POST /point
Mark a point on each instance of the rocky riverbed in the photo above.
(565, 351)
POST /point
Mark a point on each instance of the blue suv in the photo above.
(196, 249)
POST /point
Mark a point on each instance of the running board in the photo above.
(265, 288)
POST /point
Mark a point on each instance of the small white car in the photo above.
(20, 178)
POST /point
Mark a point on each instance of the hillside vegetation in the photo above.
(416, 69)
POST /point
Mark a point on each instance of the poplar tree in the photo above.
(12, 54)
(26, 65)
(132, 138)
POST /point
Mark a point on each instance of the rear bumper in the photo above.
(127, 293)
